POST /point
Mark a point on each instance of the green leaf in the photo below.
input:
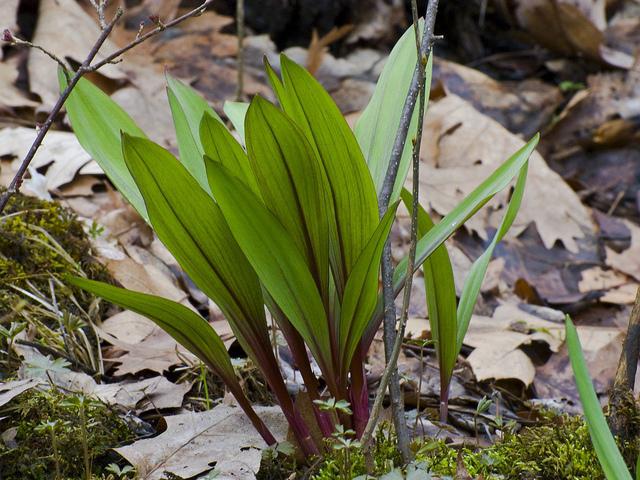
(187, 108)
(219, 145)
(293, 184)
(473, 202)
(97, 122)
(192, 227)
(377, 127)
(185, 326)
(237, 111)
(496, 182)
(272, 252)
(356, 211)
(473, 283)
(361, 292)
(604, 444)
(441, 295)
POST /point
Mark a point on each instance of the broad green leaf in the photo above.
(441, 295)
(186, 327)
(280, 266)
(293, 184)
(473, 282)
(377, 126)
(187, 108)
(192, 227)
(609, 456)
(219, 145)
(237, 111)
(97, 122)
(361, 292)
(355, 201)
(496, 182)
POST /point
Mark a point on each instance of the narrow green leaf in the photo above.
(293, 184)
(361, 292)
(609, 456)
(97, 122)
(473, 283)
(493, 184)
(185, 326)
(496, 182)
(440, 291)
(192, 227)
(187, 108)
(236, 111)
(376, 128)
(352, 189)
(272, 252)
(219, 145)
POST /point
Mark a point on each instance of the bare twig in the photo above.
(621, 400)
(390, 333)
(240, 57)
(393, 339)
(84, 68)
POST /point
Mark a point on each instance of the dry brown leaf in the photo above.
(10, 96)
(10, 390)
(596, 278)
(604, 114)
(523, 107)
(196, 442)
(601, 347)
(628, 261)
(497, 340)
(148, 394)
(565, 26)
(60, 150)
(623, 295)
(66, 30)
(461, 147)
(141, 345)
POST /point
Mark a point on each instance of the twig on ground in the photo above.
(84, 68)
(621, 398)
(240, 56)
(390, 334)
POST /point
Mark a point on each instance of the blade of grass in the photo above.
(609, 456)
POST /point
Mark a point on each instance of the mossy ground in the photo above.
(40, 243)
(31, 455)
(558, 448)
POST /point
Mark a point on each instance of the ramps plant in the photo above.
(289, 221)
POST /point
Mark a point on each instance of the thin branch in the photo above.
(85, 68)
(393, 339)
(112, 58)
(240, 57)
(15, 184)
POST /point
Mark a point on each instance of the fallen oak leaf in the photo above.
(194, 443)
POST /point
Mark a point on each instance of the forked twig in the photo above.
(72, 81)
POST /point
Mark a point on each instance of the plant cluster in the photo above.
(59, 436)
(286, 218)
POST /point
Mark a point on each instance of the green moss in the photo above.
(558, 448)
(38, 240)
(30, 454)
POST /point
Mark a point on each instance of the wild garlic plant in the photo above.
(286, 218)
